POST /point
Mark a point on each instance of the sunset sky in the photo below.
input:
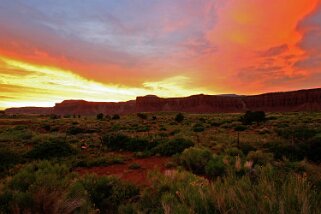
(115, 50)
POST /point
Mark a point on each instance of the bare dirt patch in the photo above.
(124, 171)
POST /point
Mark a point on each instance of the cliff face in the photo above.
(82, 107)
(29, 110)
(192, 104)
(303, 100)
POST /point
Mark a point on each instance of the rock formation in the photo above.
(29, 110)
(303, 100)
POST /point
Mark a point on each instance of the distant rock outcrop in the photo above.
(82, 107)
(303, 100)
(29, 110)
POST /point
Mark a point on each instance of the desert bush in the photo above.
(198, 127)
(122, 142)
(273, 192)
(293, 152)
(115, 117)
(172, 147)
(100, 116)
(215, 167)
(43, 188)
(8, 159)
(115, 141)
(260, 157)
(240, 128)
(74, 130)
(142, 128)
(253, 116)
(216, 123)
(234, 152)
(108, 193)
(195, 159)
(296, 133)
(54, 116)
(100, 161)
(179, 117)
(142, 116)
(134, 166)
(53, 148)
(314, 149)
(246, 148)
(18, 133)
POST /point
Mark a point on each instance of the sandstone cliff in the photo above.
(303, 100)
(29, 110)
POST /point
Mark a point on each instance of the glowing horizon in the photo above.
(115, 51)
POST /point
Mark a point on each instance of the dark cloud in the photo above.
(311, 42)
(274, 51)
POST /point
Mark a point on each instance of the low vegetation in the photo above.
(254, 162)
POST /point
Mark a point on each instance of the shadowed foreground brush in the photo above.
(270, 192)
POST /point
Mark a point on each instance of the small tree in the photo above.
(179, 117)
(100, 116)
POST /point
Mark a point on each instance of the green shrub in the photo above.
(234, 152)
(134, 166)
(108, 193)
(215, 167)
(43, 188)
(100, 116)
(179, 117)
(101, 161)
(246, 148)
(260, 157)
(8, 159)
(240, 128)
(195, 159)
(198, 127)
(272, 192)
(53, 148)
(293, 152)
(253, 116)
(122, 142)
(142, 116)
(115, 117)
(74, 130)
(296, 133)
(172, 147)
(314, 149)
(115, 141)
(216, 123)
(18, 133)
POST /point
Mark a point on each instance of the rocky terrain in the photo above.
(302, 100)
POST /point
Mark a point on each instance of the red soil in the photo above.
(122, 171)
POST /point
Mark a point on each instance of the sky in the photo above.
(115, 50)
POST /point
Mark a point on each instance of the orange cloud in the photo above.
(246, 29)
